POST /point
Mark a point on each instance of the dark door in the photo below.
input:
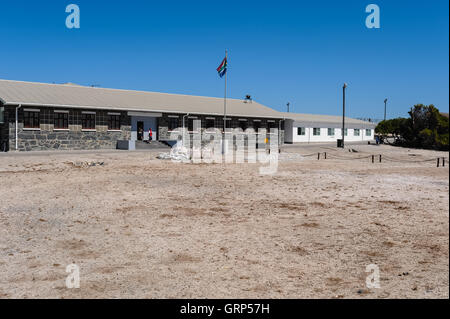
(140, 131)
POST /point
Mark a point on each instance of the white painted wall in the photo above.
(149, 122)
(293, 137)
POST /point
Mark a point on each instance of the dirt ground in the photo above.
(139, 227)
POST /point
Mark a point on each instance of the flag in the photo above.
(222, 69)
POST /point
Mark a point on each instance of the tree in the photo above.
(426, 127)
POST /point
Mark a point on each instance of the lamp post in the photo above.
(343, 114)
(385, 102)
(288, 104)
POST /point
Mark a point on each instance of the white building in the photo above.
(310, 128)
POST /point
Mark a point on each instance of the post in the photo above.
(325, 155)
(225, 97)
(443, 162)
(288, 104)
(438, 162)
(225, 107)
(380, 158)
(318, 156)
(385, 102)
(343, 114)
(373, 159)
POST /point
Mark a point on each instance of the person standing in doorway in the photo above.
(150, 134)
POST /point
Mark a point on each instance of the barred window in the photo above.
(2, 111)
(243, 125)
(61, 121)
(173, 123)
(113, 122)
(271, 125)
(210, 123)
(356, 132)
(190, 125)
(368, 132)
(316, 131)
(330, 131)
(88, 121)
(31, 119)
(301, 131)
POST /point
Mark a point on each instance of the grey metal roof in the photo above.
(330, 121)
(71, 95)
(77, 96)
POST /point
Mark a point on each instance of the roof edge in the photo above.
(124, 90)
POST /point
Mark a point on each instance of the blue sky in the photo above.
(279, 51)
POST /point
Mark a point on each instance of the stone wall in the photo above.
(74, 138)
(4, 131)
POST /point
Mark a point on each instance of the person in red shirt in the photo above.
(150, 135)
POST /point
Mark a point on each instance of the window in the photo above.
(31, 119)
(87, 121)
(368, 132)
(2, 117)
(330, 131)
(210, 123)
(316, 131)
(356, 132)
(61, 121)
(345, 132)
(191, 123)
(271, 125)
(243, 125)
(256, 125)
(173, 123)
(301, 131)
(113, 122)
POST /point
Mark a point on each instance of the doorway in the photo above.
(140, 130)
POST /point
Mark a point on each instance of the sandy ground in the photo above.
(139, 227)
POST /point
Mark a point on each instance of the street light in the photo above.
(385, 102)
(343, 113)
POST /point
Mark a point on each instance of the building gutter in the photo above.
(279, 130)
(184, 116)
(17, 125)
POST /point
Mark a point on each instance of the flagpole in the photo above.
(225, 97)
